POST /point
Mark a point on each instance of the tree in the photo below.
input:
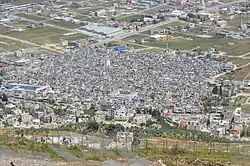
(220, 92)
(136, 141)
(4, 98)
(208, 121)
(50, 119)
(112, 129)
(149, 123)
(215, 90)
(77, 119)
(92, 126)
(242, 133)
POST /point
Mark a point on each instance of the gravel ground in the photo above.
(34, 159)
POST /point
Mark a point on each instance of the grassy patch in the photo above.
(237, 61)
(246, 108)
(238, 47)
(174, 23)
(87, 156)
(11, 45)
(86, 11)
(39, 35)
(186, 42)
(22, 2)
(137, 46)
(3, 28)
(129, 17)
(17, 144)
(185, 155)
(30, 16)
(73, 37)
(63, 24)
(154, 50)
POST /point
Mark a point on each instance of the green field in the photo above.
(73, 37)
(63, 24)
(31, 17)
(11, 45)
(232, 47)
(246, 108)
(3, 28)
(237, 61)
(175, 23)
(86, 11)
(22, 2)
(39, 35)
(153, 50)
(129, 17)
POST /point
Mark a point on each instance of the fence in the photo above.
(240, 149)
(99, 144)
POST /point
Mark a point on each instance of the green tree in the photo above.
(92, 126)
(242, 133)
(220, 92)
(215, 90)
(112, 129)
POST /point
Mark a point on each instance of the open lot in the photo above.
(236, 61)
(246, 108)
(86, 11)
(10, 45)
(232, 47)
(39, 35)
(175, 23)
(31, 17)
(72, 37)
(22, 2)
(241, 74)
(63, 24)
(4, 28)
(129, 17)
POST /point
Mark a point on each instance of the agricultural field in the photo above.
(86, 11)
(31, 17)
(63, 24)
(129, 17)
(246, 108)
(74, 36)
(237, 61)
(171, 24)
(22, 2)
(241, 74)
(4, 28)
(11, 45)
(232, 47)
(175, 23)
(38, 35)
(234, 23)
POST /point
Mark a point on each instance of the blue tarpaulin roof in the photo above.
(122, 48)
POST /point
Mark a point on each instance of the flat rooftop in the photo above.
(24, 87)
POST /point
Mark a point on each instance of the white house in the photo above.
(121, 114)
